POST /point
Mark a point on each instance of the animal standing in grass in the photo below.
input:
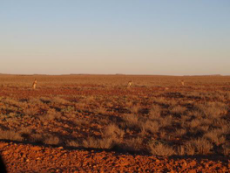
(129, 84)
(182, 82)
(34, 84)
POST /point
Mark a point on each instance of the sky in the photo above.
(156, 37)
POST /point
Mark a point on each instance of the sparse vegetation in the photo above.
(158, 148)
(188, 120)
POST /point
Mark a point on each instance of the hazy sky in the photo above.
(178, 37)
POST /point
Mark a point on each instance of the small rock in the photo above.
(36, 148)
(158, 161)
(5, 152)
(192, 163)
(3, 145)
(192, 171)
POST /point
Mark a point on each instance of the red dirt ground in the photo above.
(21, 158)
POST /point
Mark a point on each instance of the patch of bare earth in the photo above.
(29, 158)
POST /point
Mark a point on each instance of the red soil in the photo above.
(21, 158)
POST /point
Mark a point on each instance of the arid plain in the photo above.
(95, 123)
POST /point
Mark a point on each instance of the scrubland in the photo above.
(155, 116)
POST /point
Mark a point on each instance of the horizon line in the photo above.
(109, 74)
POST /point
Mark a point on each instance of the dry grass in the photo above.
(114, 132)
(92, 142)
(157, 148)
(10, 135)
(216, 137)
(99, 112)
(73, 143)
(151, 126)
(155, 112)
(51, 140)
(199, 146)
(132, 145)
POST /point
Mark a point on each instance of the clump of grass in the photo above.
(37, 138)
(160, 149)
(195, 123)
(135, 109)
(35, 101)
(51, 140)
(189, 148)
(166, 121)
(180, 132)
(215, 136)
(13, 102)
(45, 100)
(89, 99)
(10, 135)
(178, 110)
(59, 100)
(226, 149)
(50, 115)
(68, 109)
(114, 132)
(31, 111)
(132, 121)
(200, 146)
(155, 112)
(213, 110)
(25, 133)
(151, 126)
(111, 136)
(80, 106)
(73, 143)
(181, 150)
(92, 142)
(101, 110)
(132, 145)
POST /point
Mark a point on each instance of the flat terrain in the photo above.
(83, 123)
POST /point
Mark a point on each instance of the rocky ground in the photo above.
(20, 158)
